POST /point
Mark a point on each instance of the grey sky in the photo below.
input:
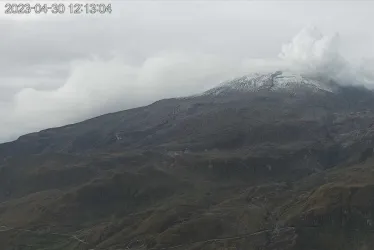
(56, 70)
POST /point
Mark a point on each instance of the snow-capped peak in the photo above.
(277, 81)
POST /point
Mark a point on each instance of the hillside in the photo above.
(265, 161)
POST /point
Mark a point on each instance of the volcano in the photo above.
(264, 161)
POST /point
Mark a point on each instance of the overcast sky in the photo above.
(59, 69)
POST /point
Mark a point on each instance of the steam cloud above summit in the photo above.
(311, 52)
(70, 70)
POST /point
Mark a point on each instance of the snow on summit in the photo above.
(276, 81)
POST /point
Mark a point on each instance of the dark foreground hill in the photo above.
(274, 161)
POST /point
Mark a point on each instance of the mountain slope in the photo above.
(247, 164)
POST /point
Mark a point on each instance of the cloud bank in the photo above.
(91, 86)
(97, 86)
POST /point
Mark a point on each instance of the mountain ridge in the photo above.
(161, 115)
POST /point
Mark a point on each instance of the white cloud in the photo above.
(97, 86)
